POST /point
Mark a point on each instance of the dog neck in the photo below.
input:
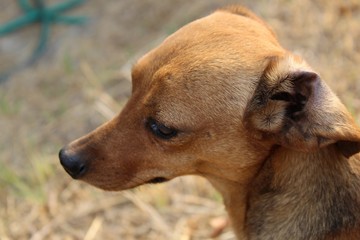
(295, 195)
(235, 194)
(300, 195)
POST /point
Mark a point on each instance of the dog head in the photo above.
(212, 100)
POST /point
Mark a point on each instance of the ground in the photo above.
(84, 79)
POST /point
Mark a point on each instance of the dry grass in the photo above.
(84, 79)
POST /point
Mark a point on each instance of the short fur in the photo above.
(250, 116)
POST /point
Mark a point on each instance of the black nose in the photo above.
(72, 163)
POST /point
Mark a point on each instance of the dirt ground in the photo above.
(84, 79)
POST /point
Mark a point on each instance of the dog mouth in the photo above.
(157, 180)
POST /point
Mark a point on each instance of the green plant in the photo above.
(30, 184)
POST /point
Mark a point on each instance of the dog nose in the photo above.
(72, 163)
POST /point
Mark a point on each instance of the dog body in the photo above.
(220, 98)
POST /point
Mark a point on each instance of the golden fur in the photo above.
(250, 116)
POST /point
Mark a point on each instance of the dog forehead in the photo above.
(236, 31)
(212, 61)
(185, 97)
(220, 40)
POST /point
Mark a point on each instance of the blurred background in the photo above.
(83, 79)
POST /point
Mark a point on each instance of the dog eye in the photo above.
(160, 130)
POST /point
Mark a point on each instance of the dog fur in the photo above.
(248, 115)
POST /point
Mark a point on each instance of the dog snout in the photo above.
(73, 163)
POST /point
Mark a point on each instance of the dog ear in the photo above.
(295, 108)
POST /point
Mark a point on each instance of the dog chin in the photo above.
(113, 187)
(120, 187)
(157, 180)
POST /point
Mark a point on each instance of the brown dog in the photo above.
(220, 98)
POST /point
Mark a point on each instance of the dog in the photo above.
(220, 98)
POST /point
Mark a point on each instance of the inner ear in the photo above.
(296, 98)
(280, 99)
(305, 82)
(282, 96)
(294, 108)
(296, 103)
